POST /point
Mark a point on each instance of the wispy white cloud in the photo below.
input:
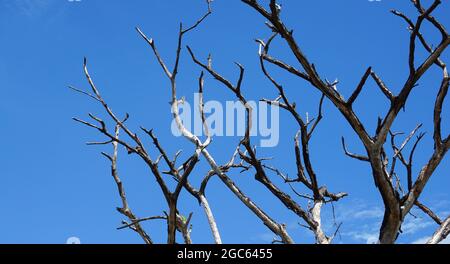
(266, 237)
(365, 237)
(361, 222)
(375, 212)
(424, 240)
(440, 204)
(444, 214)
(369, 232)
(363, 233)
(28, 8)
(421, 240)
(358, 210)
(413, 225)
(446, 241)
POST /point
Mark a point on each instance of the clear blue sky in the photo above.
(54, 187)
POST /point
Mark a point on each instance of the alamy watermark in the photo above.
(229, 119)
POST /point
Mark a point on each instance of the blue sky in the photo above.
(55, 187)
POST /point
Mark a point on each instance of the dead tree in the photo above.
(396, 206)
(398, 200)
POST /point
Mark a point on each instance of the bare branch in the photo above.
(359, 87)
(411, 27)
(134, 222)
(351, 155)
(441, 233)
(382, 86)
(125, 209)
(429, 212)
